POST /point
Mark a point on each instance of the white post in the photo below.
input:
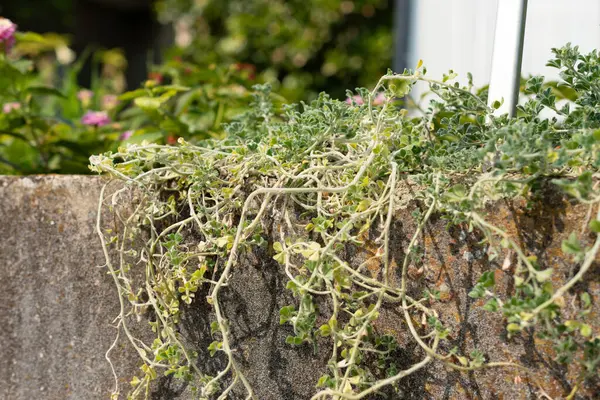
(507, 55)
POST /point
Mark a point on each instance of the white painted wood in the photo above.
(459, 35)
(453, 34)
(553, 23)
(507, 55)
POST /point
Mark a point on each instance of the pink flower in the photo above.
(9, 107)
(379, 99)
(355, 100)
(126, 135)
(95, 118)
(7, 34)
(85, 96)
(358, 100)
(109, 101)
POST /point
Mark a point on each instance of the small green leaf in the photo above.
(572, 325)
(170, 88)
(487, 279)
(325, 330)
(518, 280)
(491, 305)
(285, 314)
(595, 226)
(401, 87)
(280, 258)
(477, 292)
(363, 205)
(295, 340)
(198, 274)
(586, 299)
(571, 245)
(224, 241)
(214, 347)
(544, 275)
(477, 358)
(133, 94)
(585, 330)
(323, 381)
(148, 103)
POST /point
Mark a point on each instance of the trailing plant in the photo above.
(317, 179)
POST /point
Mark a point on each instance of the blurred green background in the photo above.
(162, 70)
(302, 47)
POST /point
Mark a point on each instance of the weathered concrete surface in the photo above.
(56, 306)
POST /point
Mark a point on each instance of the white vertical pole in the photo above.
(507, 55)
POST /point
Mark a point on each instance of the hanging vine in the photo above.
(314, 179)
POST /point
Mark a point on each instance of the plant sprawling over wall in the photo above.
(329, 172)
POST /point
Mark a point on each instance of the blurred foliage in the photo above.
(222, 49)
(42, 124)
(39, 125)
(300, 47)
(184, 100)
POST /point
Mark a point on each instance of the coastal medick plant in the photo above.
(319, 178)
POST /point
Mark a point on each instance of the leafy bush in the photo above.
(329, 45)
(43, 126)
(51, 124)
(300, 47)
(325, 174)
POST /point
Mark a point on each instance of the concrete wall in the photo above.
(56, 305)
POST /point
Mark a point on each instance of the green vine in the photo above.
(312, 180)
